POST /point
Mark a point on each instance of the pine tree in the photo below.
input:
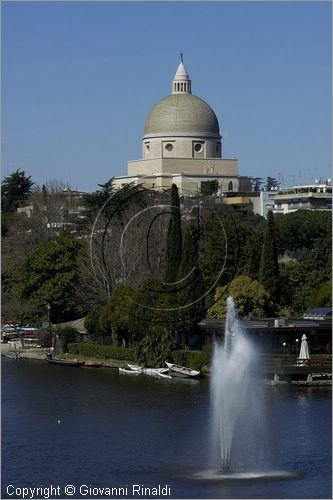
(173, 253)
(269, 268)
(15, 189)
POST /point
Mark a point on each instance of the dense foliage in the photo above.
(155, 347)
(193, 359)
(249, 295)
(103, 351)
(14, 189)
(50, 277)
(190, 295)
(115, 317)
(276, 266)
(67, 335)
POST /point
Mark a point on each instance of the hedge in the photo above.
(103, 351)
(193, 359)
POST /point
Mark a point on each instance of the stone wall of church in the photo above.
(181, 147)
(184, 165)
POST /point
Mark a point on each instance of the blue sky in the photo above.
(79, 78)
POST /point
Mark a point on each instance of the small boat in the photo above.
(147, 371)
(135, 368)
(91, 364)
(129, 372)
(65, 362)
(181, 371)
(155, 372)
(13, 355)
(163, 375)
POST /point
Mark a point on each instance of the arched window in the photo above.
(230, 186)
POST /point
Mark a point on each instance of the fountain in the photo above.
(238, 427)
(231, 388)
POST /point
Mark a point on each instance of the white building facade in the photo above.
(310, 197)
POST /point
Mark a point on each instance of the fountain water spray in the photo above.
(230, 387)
(238, 422)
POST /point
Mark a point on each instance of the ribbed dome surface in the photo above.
(182, 114)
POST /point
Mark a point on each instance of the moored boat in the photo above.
(163, 375)
(91, 364)
(65, 362)
(147, 371)
(129, 371)
(181, 371)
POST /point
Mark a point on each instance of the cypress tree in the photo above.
(269, 268)
(173, 252)
(191, 282)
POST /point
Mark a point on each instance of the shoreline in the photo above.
(40, 354)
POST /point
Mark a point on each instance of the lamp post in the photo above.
(297, 340)
(284, 348)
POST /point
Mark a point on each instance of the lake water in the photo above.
(120, 431)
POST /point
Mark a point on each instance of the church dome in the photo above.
(182, 114)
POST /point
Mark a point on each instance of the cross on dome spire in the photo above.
(181, 84)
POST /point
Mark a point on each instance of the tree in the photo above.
(208, 188)
(190, 282)
(256, 183)
(271, 184)
(95, 201)
(253, 252)
(67, 335)
(116, 251)
(322, 297)
(303, 229)
(50, 277)
(220, 247)
(115, 316)
(304, 285)
(91, 323)
(269, 267)
(173, 245)
(15, 189)
(249, 296)
(155, 347)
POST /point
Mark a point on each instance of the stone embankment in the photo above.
(30, 353)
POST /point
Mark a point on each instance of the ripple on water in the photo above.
(217, 475)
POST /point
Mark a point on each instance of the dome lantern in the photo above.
(181, 83)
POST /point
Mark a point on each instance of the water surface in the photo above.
(117, 430)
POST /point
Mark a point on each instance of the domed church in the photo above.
(182, 144)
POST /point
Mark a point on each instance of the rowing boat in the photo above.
(147, 371)
(129, 372)
(181, 371)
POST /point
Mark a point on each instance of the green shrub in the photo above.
(103, 351)
(192, 359)
(45, 337)
(67, 335)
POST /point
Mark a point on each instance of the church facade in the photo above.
(182, 145)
